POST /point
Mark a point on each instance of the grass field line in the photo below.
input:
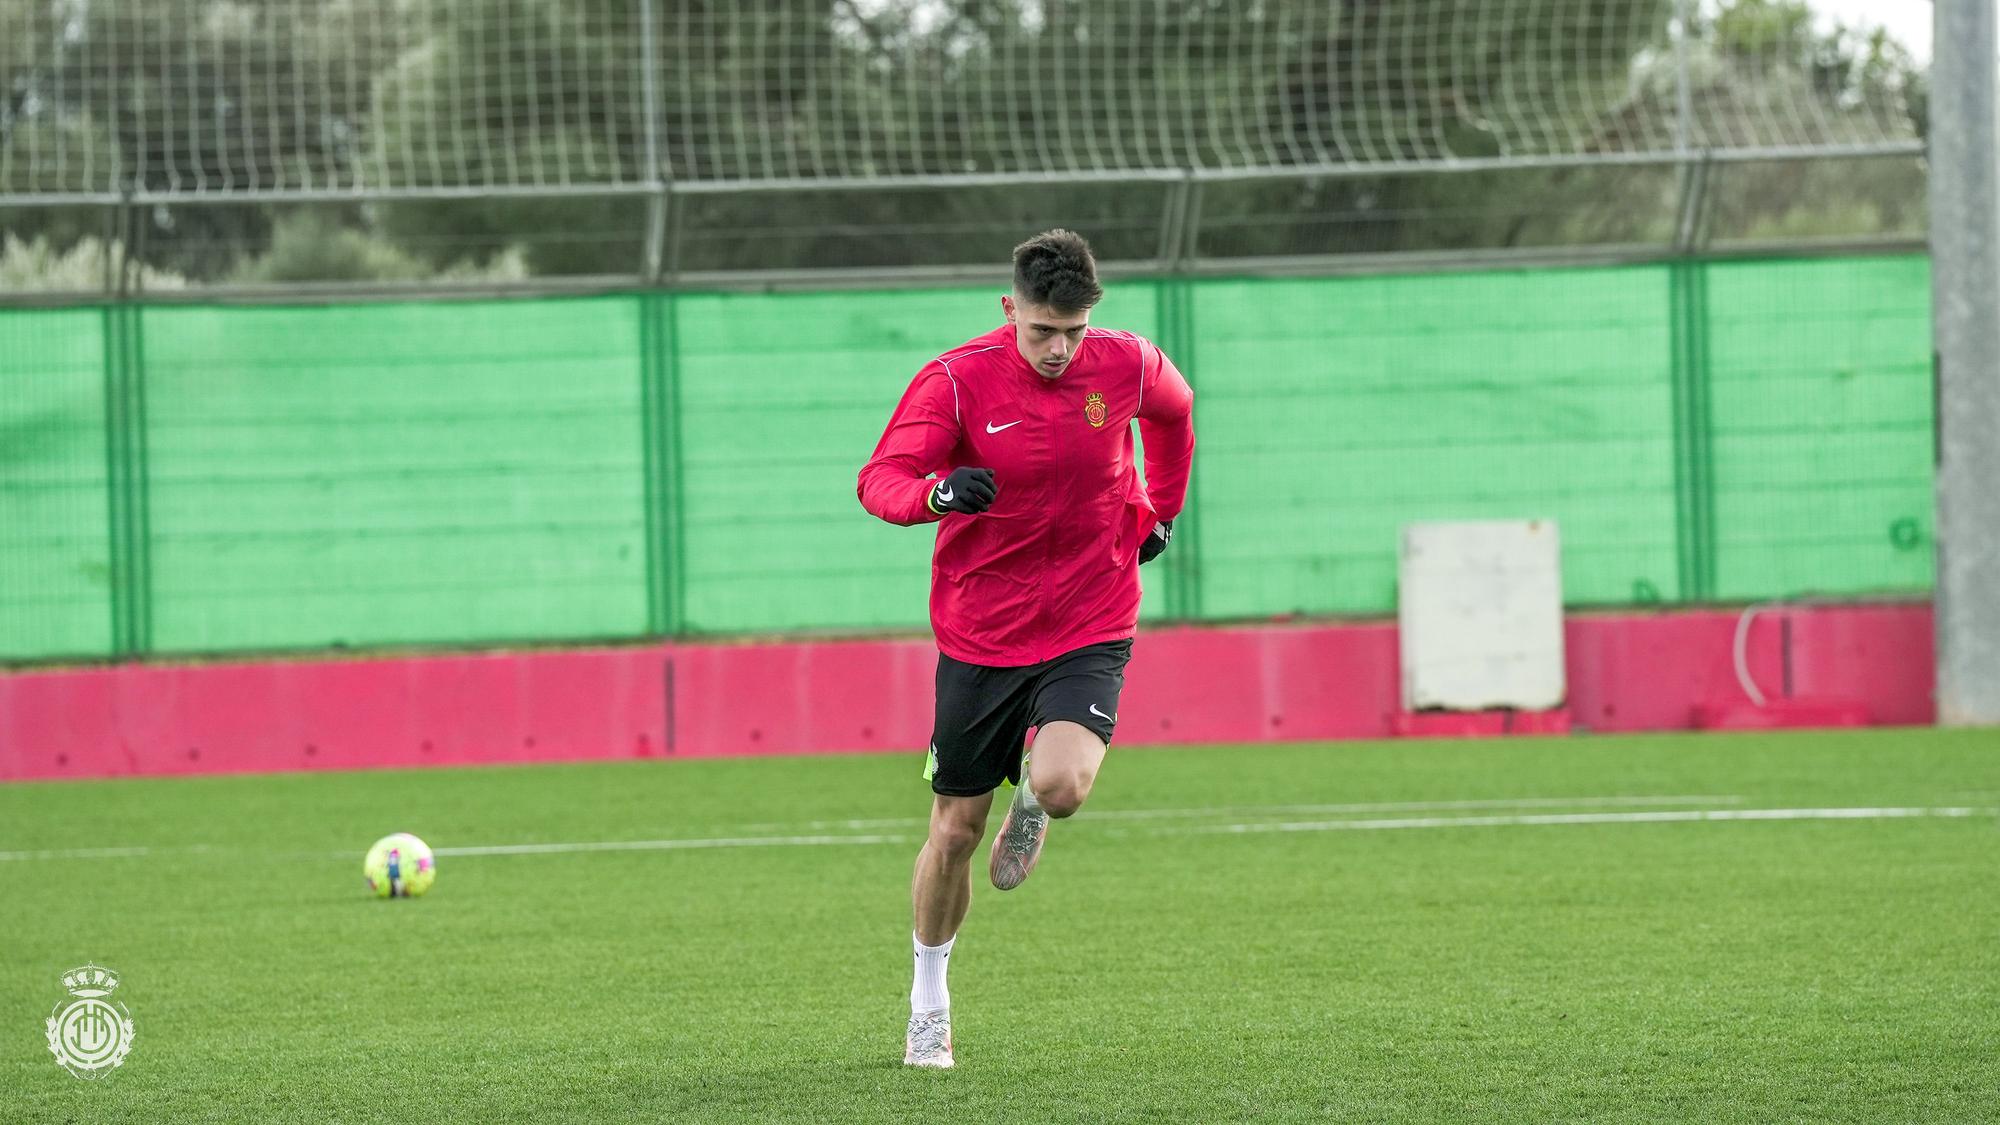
(1655, 816)
(671, 845)
(1650, 816)
(140, 851)
(1374, 824)
(1290, 810)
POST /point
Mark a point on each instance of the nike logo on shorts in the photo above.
(1102, 715)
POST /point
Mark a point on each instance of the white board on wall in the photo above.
(1479, 607)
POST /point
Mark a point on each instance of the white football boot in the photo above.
(929, 1040)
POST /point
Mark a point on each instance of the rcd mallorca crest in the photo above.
(1093, 408)
(90, 1035)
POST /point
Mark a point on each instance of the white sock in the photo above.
(928, 993)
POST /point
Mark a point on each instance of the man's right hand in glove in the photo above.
(966, 490)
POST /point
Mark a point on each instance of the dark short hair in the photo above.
(1055, 268)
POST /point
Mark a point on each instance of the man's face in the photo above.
(1047, 339)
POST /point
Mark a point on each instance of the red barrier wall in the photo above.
(1627, 672)
(227, 718)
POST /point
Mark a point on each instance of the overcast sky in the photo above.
(1908, 21)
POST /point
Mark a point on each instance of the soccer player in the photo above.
(1018, 444)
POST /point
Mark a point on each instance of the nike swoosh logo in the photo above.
(1102, 715)
(993, 429)
(944, 494)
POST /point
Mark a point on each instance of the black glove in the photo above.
(1156, 541)
(966, 490)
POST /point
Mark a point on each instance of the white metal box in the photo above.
(1480, 615)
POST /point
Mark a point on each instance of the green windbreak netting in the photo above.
(55, 546)
(438, 473)
(1333, 411)
(1821, 397)
(781, 399)
(212, 479)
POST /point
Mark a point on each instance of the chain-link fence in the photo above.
(263, 145)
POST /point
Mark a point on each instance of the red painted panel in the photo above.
(1631, 672)
(803, 697)
(1883, 655)
(1186, 685)
(1260, 683)
(224, 718)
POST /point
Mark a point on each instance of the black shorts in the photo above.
(984, 714)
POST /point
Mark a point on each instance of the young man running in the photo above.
(1018, 443)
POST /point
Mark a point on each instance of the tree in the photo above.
(548, 96)
(195, 95)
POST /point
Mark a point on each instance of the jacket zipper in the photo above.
(1049, 585)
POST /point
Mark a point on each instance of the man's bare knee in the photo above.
(955, 838)
(1064, 764)
(1063, 795)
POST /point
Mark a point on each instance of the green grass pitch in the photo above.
(1227, 933)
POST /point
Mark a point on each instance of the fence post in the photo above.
(659, 399)
(1694, 464)
(1173, 297)
(125, 480)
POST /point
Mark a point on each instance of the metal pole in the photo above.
(1190, 251)
(131, 254)
(670, 251)
(1683, 81)
(649, 85)
(656, 235)
(1965, 282)
(114, 248)
(1689, 222)
(1693, 176)
(1170, 224)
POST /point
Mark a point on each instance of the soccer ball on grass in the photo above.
(399, 866)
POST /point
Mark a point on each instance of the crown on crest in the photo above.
(90, 980)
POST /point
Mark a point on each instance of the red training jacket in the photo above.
(1053, 564)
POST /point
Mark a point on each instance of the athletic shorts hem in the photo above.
(1103, 730)
(962, 793)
